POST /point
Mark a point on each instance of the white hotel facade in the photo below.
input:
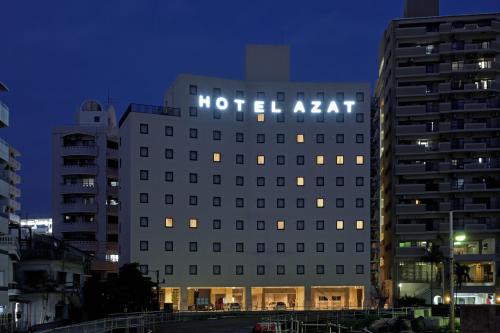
(250, 207)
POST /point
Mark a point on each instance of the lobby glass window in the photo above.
(320, 202)
(320, 225)
(339, 181)
(320, 181)
(300, 138)
(261, 225)
(359, 181)
(339, 225)
(193, 223)
(261, 160)
(300, 247)
(240, 180)
(193, 90)
(320, 247)
(216, 269)
(240, 137)
(169, 176)
(143, 128)
(280, 269)
(280, 247)
(216, 224)
(216, 201)
(280, 181)
(216, 157)
(339, 269)
(169, 269)
(193, 200)
(300, 159)
(169, 153)
(261, 203)
(280, 225)
(239, 247)
(144, 152)
(169, 131)
(193, 247)
(216, 246)
(239, 269)
(240, 116)
(299, 117)
(359, 138)
(216, 179)
(339, 247)
(360, 159)
(143, 174)
(261, 247)
(360, 97)
(261, 269)
(143, 245)
(360, 118)
(193, 270)
(261, 181)
(261, 117)
(340, 159)
(300, 181)
(280, 138)
(144, 221)
(300, 202)
(240, 203)
(339, 203)
(280, 159)
(300, 269)
(360, 225)
(339, 138)
(261, 138)
(280, 203)
(169, 222)
(300, 224)
(216, 135)
(339, 117)
(360, 247)
(320, 269)
(193, 111)
(320, 159)
(193, 155)
(239, 159)
(193, 178)
(193, 133)
(360, 269)
(359, 203)
(280, 96)
(240, 225)
(320, 138)
(143, 197)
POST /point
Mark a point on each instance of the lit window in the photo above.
(300, 181)
(360, 224)
(320, 159)
(216, 157)
(320, 202)
(280, 225)
(300, 138)
(260, 117)
(360, 160)
(193, 223)
(169, 222)
(260, 159)
(340, 159)
(340, 225)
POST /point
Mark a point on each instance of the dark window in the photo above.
(169, 199)
(359, 138)
(193, 90)
(300, 96)
(280, 96)
(193, 111)
(240, 225)
(299, 117)
(169, 154)
(261, 95)
(280, 203)
(216, 247)
(240, 180)
(239, 269)
(339, 117)
(280, 159)
(300, 159)
(193, 155)
(193, 247)
(339, 181)
(239, 247)
(193, 177)
(261, 225)
(217, 92)
(360, 269)
(240, 94)
(239, 159)
(339, 138)
(216, 114)
(360, 117)
(280, 138)
(216, 135)
(340, 97)
(169, 176)
(240, 116)
(320, 247)
(360, 247)
(339, 269)
(280, 247)
(216, 224)
(280, 269)
(360, 97)
(143, 245)
(300, 225)
(300, 269)
(339, 247)
(216, 201)
(143, 128)
(169, 269)
(144, 221)
(169, 131)
(169, 246)
(240, 203)
(261, 247)
(320, 118)
(261, 203)
(216, 269)
(359, 181)
(320, 138)
(340, 203)
(144, 269)
(300, 202)
(320, 181)
(280, 181)
(261, 269)
(240, 137)
(261, 181)
(280, 117)
(320, 225)
(193, 133)
(143, 198)
(216, 179)
(193, 270)
(144, 152)
(143, 175)
(320, 269)
(300, 247)
(261, 138)
(193, 200)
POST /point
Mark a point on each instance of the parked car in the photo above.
(280, 306)
(234, 307)
(267, 327)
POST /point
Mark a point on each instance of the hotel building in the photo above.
(256, 202)
(439, 96)
(85, 185)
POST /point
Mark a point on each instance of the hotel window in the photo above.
(193, 155)
(143, 245)
(339, 247)
(144, 152)
(360, 225)
(360, 118)
(240, 225)
(280, 225)
(240, 180)
(320, 269)
(240, 137)
(193, 111)
(339, 203)
(261, 270)
(300, 203)
(360, 247)
(239, 269)
(339, 181)
(193, 247)
(144, 221)
(216, 157)
(261, 95)
(300, 247)
(261, 203)
(359, 203)
(193, 269)
(169, 131)
(320, 181)
(261, 117)
(300, 138)
(339, 117)
(360, 269)
(143, 197)
(193, 90)
(216, 179)
(193, 133)
(359, 181)
(261, 181)
(216, 135)
(300, 159)
(300, 96)
(339, 269)
(169, 222)
(143, 128)
(216, 224)
(280, 269)
(216, 269)
(280, 247)
(240, 94)
(340, 97)
(261, 138)
(239, 247)
(240, 203)
(299, 117)
(216, 201)
(240, 116)
(320, 138)
(261, 247)
(359, 138)
(260, 159)
(169, 269)
(193, 223)
(320, 159)
(340, 159)
(216, 247)
(300, 269)
(320, 225)
(280, 138)
(320, 202)
(144, 269)
(193, 178)
(280, 117)
(169, 154)
(216, 114)
(239, 159)
(360, 97)
(320, 118)
(300, 225)
(143, 175)
(320, 247)
(300, 181)
(280, 181)
(339, 138)
(261, 225)
(360, 160)
(280, 203)
(280, 159)
(340, 225)
(280, 96)
(193, 200)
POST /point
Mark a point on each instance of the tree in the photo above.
(461, 275)
(434, 256)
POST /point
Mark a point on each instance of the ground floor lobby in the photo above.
(260, 298)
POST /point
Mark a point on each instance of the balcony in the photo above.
(410, 168)
(409, 188)
(79, 207)
(414, 149)
(14, 164)
(417, 129)
(112, 209)
(10, 244)
(112, 228)
(411, 91)
(411, 51)
(409, 110)
(410, 228)
(79, 226)
(78, 188)
(74, 169)
(411, 32)
(113, 190)
(10, 176)
(4, 115)
(410, 208)
(79, 150)
(87, 245)
(411, 71)
(112, 153)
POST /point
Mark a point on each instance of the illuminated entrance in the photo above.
(324, 298)
(171, 298)
(215, 298)
(277, 298)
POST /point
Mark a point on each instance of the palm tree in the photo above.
(461, 275)
(434, 256)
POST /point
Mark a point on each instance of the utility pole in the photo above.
(452, 280)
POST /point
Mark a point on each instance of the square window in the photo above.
(299, 117)
(339, 138)
(359, 138)
(143, 197)
(169, 199)
(280, 247)
(261, 247)
(216, 269)
(339, 181)
(360, 269)
(280, 96)
(300, 247)
(240, 137)
(320, 138)
(300, 181)
(216, 247)
(143, 175)
(360, 97)
(360, 225)
(280, 181)
(169, 269)
(300, 96)
(216, 224)
(320, 181)
(240, 180)
(216, 201)
(216, 114)
(280, 269)
(280, 225)
(193, 111)
(169, 131)
(339, 203)
(240, 225)
(261, 181)
(193, 223)
(239, 247)
(261, 225)
(261, 270)
(144, 221)
(169, 176)
(240, 94)
(360, 118)
(300, 269)
(261, 159)
(143, 128)
(216, 179)
(193, 247)
(193, 90)
(193, 200)
(143, 245)
(320, 269)
(261, 203)
(320, 202)
(340, 225)
(300, 138)
(193, 269)
(193, 178)
(300, 159)
(239, 159)
(144, 152)
(169, 222)
(240, 203)
(239, 269)
(280, 138)
(193, 133)
(240, 116)
(300, 225)
(320, 247)
(340, 159)
(261, 138)
(360, 159)
(280, 117)
(193, 155)
(216, 135)
(216, 157)
(320, 160)
(320, 225)
(280, 203)
(360, 247)
(97, 119)
(144, 269)
(280, 159)
(359, 181)
(339, 269)
(300, 203)
(359, 203)
(260, 117)
(169, 154)
(261, 95)
(339, 117)
(339, 247)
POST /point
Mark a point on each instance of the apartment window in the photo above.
(240, 180)
(280, 269)
(261, 247)
(193, 90)
(320, 181)
(261, 225)
(216, 135)
(193, 155)
(260, 159)
(280, 181)
(240, 137)
(300, 159)
(339, 203)
(260, 117)
(300, 225)
(261, 181)
(359, 203)
(144, 152)
(193, 133)
(143, 128)
(359, 138)
(360, 247)
(193, 269)
(359, 181)
(280, 159)
(360, 269)
(280, 203)
(216, 269)
(144, 269)
(143, 174)
(240, 116)
(239, 269)
(169, 222)
(169, 246)
(216, 157)
(300, 269)
(280, 225)
(193, 223)
(339, 247)
(169, 153)
(240, 225)
(193, 200)
(340, 159)
(239, 247)
(300, 202)
(320, 225)
(320, 202)
(320, 160)
(300, 181)
(143, 197)
(339, 181)
(143, 245)
(193, 247)
(169, 269)
(320, 138)
(280, 138)
(340, 225)
(261, 270)
(320, 247)
(320, 269)
(169, 176)
(360, 97)
(261, 203)
(216, 179)
(339, 138)
(339, 269)
(339, 117)
(360, 160)
(240, 203)
(360, 225)
(216, 224)
(360, 118)
(261, 138)
(240, 159)
(280, 247)
(216, 201)
(300, 138)
(144, 221)
(193, 111)
(169, 131)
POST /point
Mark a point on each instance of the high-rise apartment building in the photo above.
(9, 220)
(254, 191)
(85, 185)
(439, 95)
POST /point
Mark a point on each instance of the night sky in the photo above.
(54, 54)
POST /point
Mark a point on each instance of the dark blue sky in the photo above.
(56, 53)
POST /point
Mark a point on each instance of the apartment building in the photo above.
(85, 185)
(253, 191)
(9, 220)
(439, 95)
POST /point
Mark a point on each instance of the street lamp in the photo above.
(452, 297)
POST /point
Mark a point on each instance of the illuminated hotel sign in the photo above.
(260, 106)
